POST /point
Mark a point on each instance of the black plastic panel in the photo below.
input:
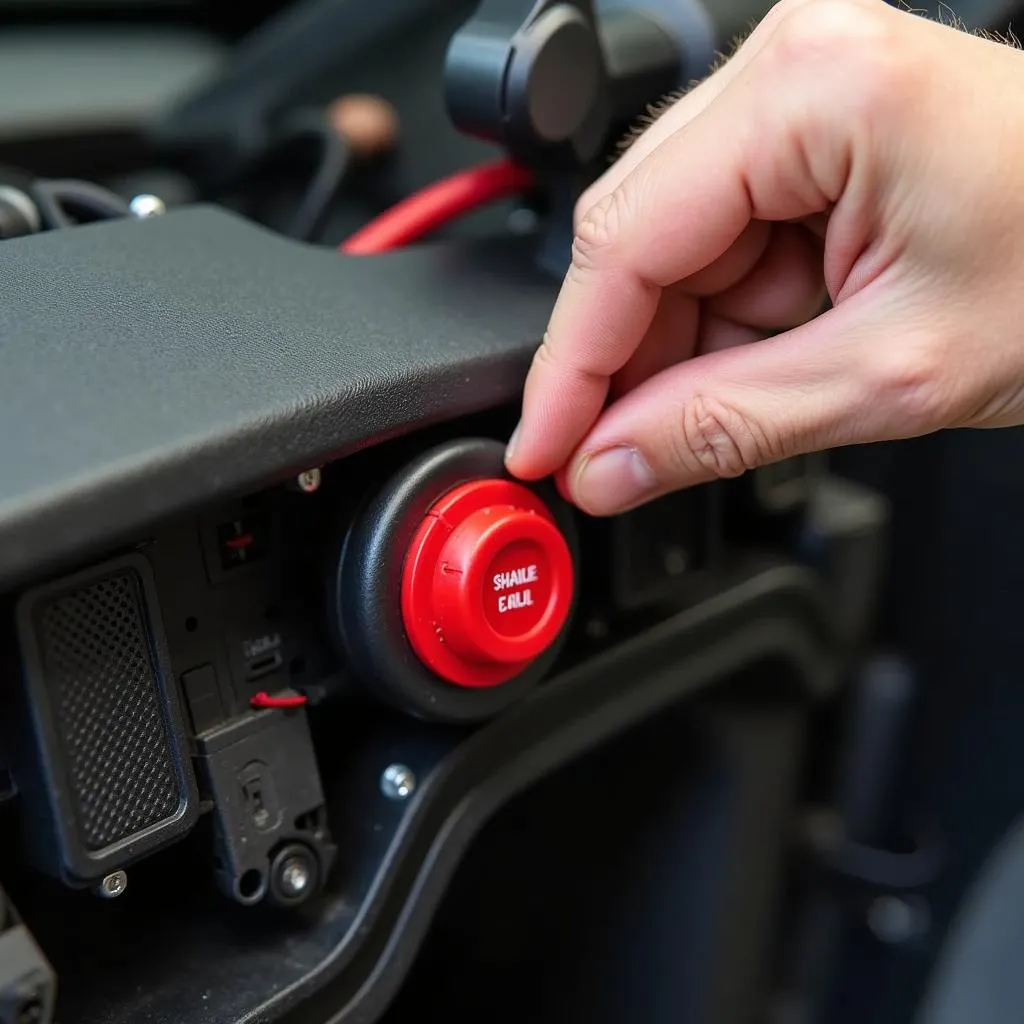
(200, 355)
(659, 857)
(348, 953)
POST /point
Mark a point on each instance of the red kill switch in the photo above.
(487, 584)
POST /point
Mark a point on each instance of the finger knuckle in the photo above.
(599, 232)
(854, 43)
(778, 12)
(809, 32)
(718, 439)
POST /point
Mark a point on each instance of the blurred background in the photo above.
(84, 82)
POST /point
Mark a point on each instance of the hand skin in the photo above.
(848, 149)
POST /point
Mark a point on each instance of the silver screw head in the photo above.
(675, 560)
(398, 782)
(114, 885)
(145, 206)
(295, 876)
(523, 221)
(309, 481)
(896, 920)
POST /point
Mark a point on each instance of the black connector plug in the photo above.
(553, 81)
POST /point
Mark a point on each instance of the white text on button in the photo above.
(515, 578)
(517, 599)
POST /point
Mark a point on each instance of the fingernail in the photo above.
(510, 448)
(613, 480)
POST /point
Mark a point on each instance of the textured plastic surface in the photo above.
(95, 655)
(211, 356)
(110, 765)
(487, 584)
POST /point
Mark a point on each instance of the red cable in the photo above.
(437, 205)
(265, 700)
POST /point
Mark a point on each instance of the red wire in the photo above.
(265, 700)
(437, 205)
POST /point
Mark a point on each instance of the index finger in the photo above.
(775, 145)
(675, 213)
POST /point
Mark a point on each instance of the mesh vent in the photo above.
(103, 684)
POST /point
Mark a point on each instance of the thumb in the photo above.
(834, 381)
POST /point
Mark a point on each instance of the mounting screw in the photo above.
(309, 481)
(114, 885)
(675, 560)
(294, 875)
(523, 221)
(145, 206)
(398, 782)
(896, 920)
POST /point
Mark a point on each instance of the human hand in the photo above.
(850, 149)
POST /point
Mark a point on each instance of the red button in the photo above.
(487, 584)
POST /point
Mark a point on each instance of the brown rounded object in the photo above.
(369, 123)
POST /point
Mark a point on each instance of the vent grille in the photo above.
(103, 681)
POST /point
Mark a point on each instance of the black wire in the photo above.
(279, 151)
(66, 202)
(335, 160)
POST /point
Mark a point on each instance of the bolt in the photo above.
(295, 876)
(114, 885)
(145, 206)
(523, 221)
(309, 481)
(397, 782)
(675, 561)
(896, 920)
